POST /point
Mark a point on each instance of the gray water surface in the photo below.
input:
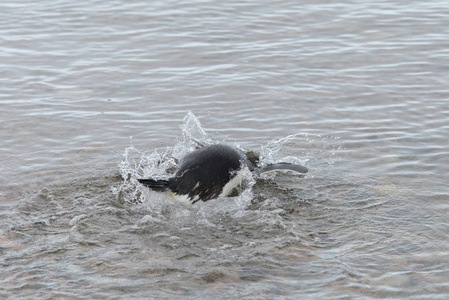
(94, 94)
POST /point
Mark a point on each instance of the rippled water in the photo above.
(94, 94)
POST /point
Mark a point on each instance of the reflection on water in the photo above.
(94, 95)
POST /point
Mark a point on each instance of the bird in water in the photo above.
(213, 171)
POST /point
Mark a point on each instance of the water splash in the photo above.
(301, 148)
(271, 152)
(193, 132)
(161, 163)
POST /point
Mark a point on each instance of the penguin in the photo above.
(211, 172)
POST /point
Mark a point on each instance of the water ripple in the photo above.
(360, 85)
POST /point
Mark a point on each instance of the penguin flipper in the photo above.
(284, 167)
(158, 185)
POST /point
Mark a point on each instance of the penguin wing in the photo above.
(284, 167)
(160, 185)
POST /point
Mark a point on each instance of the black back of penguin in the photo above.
(203, 173)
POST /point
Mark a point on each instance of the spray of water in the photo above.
(161, 163)
(271, 152)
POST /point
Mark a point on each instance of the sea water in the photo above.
(95, 95)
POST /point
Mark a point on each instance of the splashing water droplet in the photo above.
(192, 131)
(271, 152)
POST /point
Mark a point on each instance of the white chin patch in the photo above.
(233, 183)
